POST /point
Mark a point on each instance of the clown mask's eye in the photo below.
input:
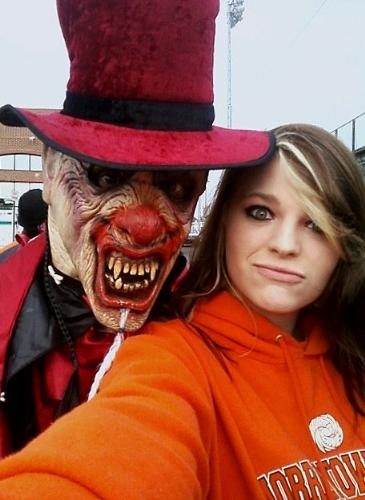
(105, 178)
(176, 192)
(179, 187)
(175, 187)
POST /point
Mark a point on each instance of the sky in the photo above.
(291, 61)
(297, 60)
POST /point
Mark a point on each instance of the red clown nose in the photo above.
(142, 224)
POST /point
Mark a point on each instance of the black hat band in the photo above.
(149, 115)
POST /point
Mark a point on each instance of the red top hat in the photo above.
(140, 91)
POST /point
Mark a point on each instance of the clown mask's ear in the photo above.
(50, 164)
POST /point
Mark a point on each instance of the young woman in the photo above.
(255, 389)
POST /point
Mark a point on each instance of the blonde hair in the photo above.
(316, 189)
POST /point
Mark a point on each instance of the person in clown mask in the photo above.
(124, 164)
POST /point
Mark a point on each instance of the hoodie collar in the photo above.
(235, 326)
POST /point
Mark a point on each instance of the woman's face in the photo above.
(276, 257)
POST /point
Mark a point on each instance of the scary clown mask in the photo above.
(117, 231)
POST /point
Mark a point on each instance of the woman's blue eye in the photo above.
(259, 213)
(313, 226)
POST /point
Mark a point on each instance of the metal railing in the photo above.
(352, 133)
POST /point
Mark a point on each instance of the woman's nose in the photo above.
(285, 239)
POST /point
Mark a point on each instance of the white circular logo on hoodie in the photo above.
(326, 432)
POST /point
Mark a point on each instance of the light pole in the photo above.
(235, 9)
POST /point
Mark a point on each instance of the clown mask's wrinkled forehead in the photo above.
(119, 232)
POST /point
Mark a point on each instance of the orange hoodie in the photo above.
(170, 422)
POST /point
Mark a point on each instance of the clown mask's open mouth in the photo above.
(130, 276)
(129, 282)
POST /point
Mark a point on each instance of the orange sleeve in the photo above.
(147, 434)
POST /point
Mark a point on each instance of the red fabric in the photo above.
(16, 274)
(148, 48)
(146, 51)
(22, 239)
(52, 373)
(116, 146)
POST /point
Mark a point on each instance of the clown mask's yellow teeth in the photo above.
(125, 275)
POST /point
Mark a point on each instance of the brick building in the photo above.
(20, 161)
(20, 170)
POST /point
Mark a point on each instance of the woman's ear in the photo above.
(50, 164)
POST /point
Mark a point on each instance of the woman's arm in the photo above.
(145, 435)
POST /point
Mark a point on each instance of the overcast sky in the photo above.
(297, 60)
(292, 61)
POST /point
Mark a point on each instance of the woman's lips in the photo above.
(279, 274)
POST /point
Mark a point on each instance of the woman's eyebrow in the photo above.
(258, 194)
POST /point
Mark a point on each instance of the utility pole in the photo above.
(235, 9)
